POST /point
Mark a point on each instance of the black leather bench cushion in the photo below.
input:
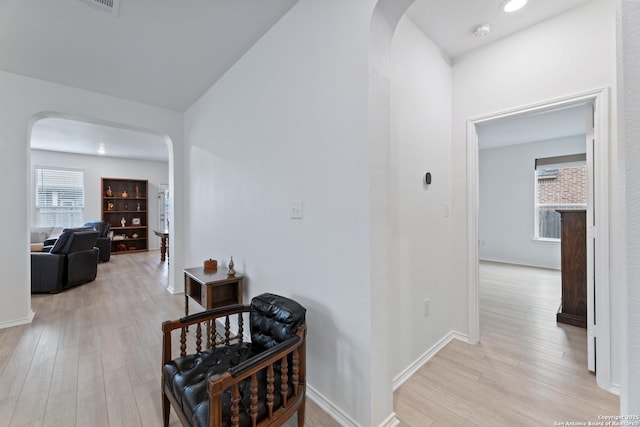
(186, 377)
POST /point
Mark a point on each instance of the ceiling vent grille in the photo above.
(109, 6)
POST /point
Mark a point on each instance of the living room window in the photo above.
(561, 183)
(59, 197)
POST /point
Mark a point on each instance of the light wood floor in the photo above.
(91, 358)
(526, 371)
(92, 355)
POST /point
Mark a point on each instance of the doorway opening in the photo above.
(164, 207)
(99, 149)
(598, 227)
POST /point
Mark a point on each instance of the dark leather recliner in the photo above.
(233, 382)
(104, 241)
(71, 261)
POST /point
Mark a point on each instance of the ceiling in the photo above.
(167, 53)
(73, 136)
(450, 24)
(534, 127)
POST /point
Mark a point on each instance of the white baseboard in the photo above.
(418, 363)
(615, 389)
(18, 322)
(391, 421)
(501, 261)
(174, 291)
(326, 405)
(339, 415)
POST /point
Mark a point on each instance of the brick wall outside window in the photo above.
(568, 187)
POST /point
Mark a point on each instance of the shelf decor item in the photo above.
(210, 264)
(231, 271)
(137, 192)
(123, 221)
(110, 206)
(124, 193)
(135, 221)
(109, 192)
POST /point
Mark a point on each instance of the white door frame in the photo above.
(600, 99)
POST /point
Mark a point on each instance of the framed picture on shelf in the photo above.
(135, 221)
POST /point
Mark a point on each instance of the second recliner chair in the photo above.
(104, 241)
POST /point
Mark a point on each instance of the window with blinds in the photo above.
(59, 197)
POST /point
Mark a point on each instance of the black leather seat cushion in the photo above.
(186, 377)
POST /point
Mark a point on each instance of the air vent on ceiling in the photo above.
(109, 6)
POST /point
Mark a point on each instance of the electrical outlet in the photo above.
(426, 307)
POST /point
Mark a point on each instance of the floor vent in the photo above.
(109, 6)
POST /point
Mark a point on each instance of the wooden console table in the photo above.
(211, 288)
(164, 243)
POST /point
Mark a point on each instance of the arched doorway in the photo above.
(104, 149)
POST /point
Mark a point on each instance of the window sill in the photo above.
(545, 240)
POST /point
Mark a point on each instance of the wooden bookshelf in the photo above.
(125, 207)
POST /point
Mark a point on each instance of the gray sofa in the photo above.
(40, 235)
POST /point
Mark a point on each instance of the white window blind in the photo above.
(59, 197)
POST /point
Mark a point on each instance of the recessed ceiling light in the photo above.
(101, 149)
(481, 30)
(513, 5)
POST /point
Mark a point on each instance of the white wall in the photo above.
(507, 202)
(569, 54)
(22, 99)
(289, 122)
(628, 60)
(420, 143)
(97, 167)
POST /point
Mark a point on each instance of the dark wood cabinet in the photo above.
(573, 247)
(125, 207)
